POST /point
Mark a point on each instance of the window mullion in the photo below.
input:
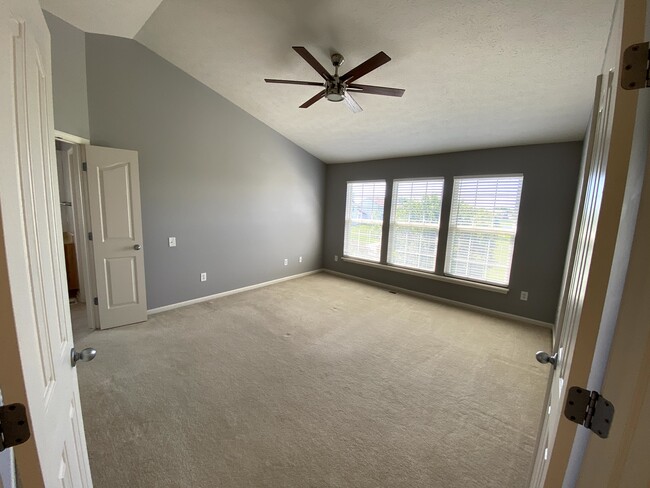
(388, 198)
(444, 226)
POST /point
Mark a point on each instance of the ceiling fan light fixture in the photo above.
(334, 96)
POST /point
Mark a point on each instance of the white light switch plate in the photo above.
(204, 276)
(172, 242)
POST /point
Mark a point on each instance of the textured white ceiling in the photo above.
(122, 18)
(477, 74)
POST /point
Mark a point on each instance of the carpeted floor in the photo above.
(314, 382)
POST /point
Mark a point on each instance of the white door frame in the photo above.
(79, 183)
(70, 138)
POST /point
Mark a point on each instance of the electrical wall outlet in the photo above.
(204, 276)
(172, 242)
(300, 259)
(524, 296)
(286, 262)
(336, 258)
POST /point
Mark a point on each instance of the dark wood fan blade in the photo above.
(313, 99)
(306, 55)
(351, 103)
(295, 82)
(376, 90)
(366, 67)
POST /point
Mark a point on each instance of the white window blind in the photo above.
(364, 218)
(415, 223)
(482, 228)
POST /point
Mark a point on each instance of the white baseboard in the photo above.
(229, 292)
(447, 301)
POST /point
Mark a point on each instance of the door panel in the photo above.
(119, 271)
(36, 332)
(588, 281)
(117, 215)
(621, 460)
(573, 286)
(114, 196)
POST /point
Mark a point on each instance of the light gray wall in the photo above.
(238, 196)
(69, 77)
(550, 182)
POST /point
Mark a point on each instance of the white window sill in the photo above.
(447, 279)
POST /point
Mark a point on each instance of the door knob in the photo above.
(545, 358)
(86, 355)
(137, 247)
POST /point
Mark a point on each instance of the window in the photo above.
(482, 228)
(415, 223)
(364, 218)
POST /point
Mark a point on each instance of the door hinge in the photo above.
(14, 428)
(84, 166)
(635, 72)
(589, 409)
(90, 236)
(96, 301)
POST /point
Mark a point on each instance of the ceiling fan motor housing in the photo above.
(335, 90)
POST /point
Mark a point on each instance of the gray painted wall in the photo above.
(238, 196)
(69, 77)
(550, 183)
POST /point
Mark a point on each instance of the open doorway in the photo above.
(99, 196)
(75, 224)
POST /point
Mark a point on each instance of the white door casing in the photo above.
(36, 334)
(114, 201)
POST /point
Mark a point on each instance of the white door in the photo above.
(581, 306)
(622, 459)
(575, 281)
(35, 330)
(116, 222)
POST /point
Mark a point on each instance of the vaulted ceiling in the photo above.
(477, 74)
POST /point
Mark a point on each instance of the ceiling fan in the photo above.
(340, 88)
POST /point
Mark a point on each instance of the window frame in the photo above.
(443, 248)
(392, 224)
(510, 232)
(348, 220)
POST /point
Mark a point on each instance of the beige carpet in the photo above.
(314, 382)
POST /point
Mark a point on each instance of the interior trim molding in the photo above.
(429, 276)
(172, 306)
(65, 137)
(447, 301)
